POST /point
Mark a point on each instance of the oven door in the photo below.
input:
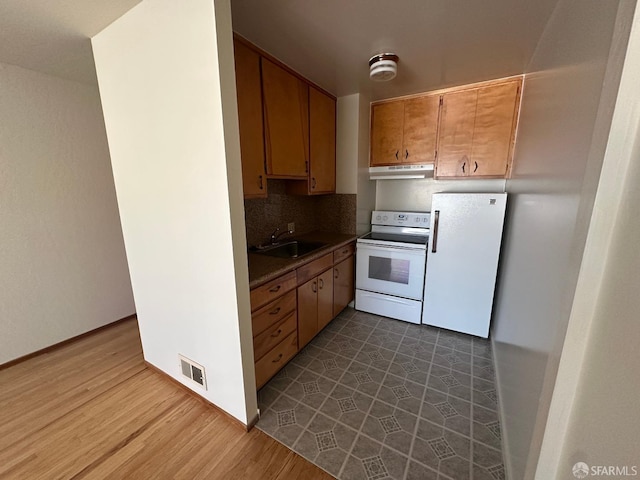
(389, 269)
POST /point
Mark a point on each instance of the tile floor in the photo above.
(374, 398)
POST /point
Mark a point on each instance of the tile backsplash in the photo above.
(334, 213)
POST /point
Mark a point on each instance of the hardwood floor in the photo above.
(92, 409)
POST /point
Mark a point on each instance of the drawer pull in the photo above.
(345, 251)
(314, 287)
(275, 311)
(277, 334)
(275, 289)
(277, 359)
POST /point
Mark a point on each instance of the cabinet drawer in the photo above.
(274, 335)
(277, 358)
(314, 268)
(271, 290)
(273, 312)
(343, 252)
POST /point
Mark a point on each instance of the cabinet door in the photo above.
(343, 284)
(286, 122)
(322, 134)
(420, 129)
(496, 115)
(249, 91)
(455, 139)
(386, 133)
(325, 299)
(307, 311)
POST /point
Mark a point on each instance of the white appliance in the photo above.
(462, 260)
(390, 265)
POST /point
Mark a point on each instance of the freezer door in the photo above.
(462, 261)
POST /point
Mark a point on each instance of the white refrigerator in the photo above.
(462, 260)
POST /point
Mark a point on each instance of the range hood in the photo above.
(397, 172)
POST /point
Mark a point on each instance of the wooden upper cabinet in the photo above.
(455, 139)
(286, 122)
(404, 131)
(386, 133)
(420, 129)
(477, 131)
(322, 147)
(496, 115)
(322, 132)
(249, 91)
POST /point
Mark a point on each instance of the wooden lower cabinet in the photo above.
(273, 320)
(286, 318)
(277, 358)
(315, 306)
(343, 284)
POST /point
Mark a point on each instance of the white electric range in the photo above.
(390, 265)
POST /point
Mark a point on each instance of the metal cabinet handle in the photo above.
(277, 334)
(463, 166)
(261, 184)
(275, 289)
(277, 359)
(406, 154)
(313, 182)
(275, 312)
(321, 282)
(396, 154)
(336, 273)
(314, 287)
(436, 224)
(475, 169)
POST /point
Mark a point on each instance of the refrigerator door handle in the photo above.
(436, 223)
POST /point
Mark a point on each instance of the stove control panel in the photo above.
(401, 219)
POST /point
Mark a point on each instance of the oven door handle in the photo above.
(387, 247)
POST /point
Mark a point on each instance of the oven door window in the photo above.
(394, 270)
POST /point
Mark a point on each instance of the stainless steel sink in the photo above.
(290, 249)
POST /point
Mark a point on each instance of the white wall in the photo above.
(594, 416)
(564, 124)
(63, 270)
(415, 195)
(347, 145)
(165, 97)
(352, 152)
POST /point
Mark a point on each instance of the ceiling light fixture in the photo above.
(383, 67)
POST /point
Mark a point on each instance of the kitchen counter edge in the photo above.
(263, 268)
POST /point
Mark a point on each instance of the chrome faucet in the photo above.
(275, 235)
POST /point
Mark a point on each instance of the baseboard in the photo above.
(506, 457)
(63, 343)
(203, 400)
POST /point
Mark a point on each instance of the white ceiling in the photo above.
(53, 36)
(440, 42)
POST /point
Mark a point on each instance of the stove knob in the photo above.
(418, 220)
(378, 217)
(384, 218)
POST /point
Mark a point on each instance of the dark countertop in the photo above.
(263, 268)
